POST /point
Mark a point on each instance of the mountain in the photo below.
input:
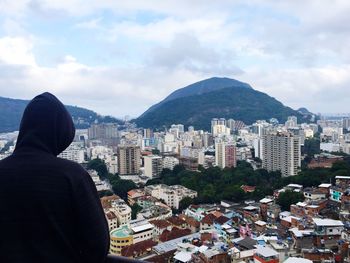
(12, 110)
(304, 111)
(200, 88)
(198, 103)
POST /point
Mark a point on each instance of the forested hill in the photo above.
(12, 109)
(215, 98)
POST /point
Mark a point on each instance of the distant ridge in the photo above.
(199, 102)
(200, 87)
(12, 110)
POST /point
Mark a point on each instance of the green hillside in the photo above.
(239, 103)
(12, 109)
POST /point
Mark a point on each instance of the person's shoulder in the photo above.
(72, 167)
(6, 161)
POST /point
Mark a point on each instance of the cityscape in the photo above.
(264, 192)
(171, 131)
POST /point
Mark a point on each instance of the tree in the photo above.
(287, 198)
(99, 166)
(121, 188)
(155, 151)
(135, 209)
(312, 147)
(105, 193)
(185, 202)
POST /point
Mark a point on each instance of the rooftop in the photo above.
(172, 244)
(121, 232)
(297, 260)
(327, 222)
(266, 251)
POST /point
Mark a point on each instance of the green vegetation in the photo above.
(312, 147)
(238, 102)
(186, 202)
(135, 208)
(100, 167)
(12, 111)
(215, 184)
(121, 187)
(105, 193)
(288, 198)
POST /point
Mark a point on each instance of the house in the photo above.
(160, 226)
(328, 232)
(207, 222)
(266, 255)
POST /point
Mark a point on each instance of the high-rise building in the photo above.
(218, 127)
(103, 131)
(153, 166)
(346, 123)
(169, 162)
(129, 159)
(225, 154)
(281, 152)
(231, 124)
(292, 122)
(75, 152)
(147, 133)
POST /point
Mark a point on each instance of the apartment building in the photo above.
(153, 166)
(281, 152)
(225, 154)
(172, 195)
(129, 159)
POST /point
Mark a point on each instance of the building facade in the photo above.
(153, 166)
(225, 155)
(281, 152)
(129, 159)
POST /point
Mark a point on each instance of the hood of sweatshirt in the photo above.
(46, 125)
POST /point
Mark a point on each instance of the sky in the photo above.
(120, 57)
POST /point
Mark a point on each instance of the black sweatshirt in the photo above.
(49, 207)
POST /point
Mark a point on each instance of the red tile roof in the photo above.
(107, 200)
(138, 248)
(248, 188)
(217, 213)
(221, 220)
(208, 219)
(191, 221)
(174, 233)
(175, 220)
(110, 215)
(160, 223)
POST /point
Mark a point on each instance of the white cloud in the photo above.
(16, 51)
(296, 51)
(321, 89)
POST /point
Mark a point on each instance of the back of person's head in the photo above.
(46, 125)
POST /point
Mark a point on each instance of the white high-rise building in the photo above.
(231, 123)
(170, 162)
(292, 122)
(281, 152)
(153, 166)
(75, 152)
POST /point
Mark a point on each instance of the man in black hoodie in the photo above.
(49, 207)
